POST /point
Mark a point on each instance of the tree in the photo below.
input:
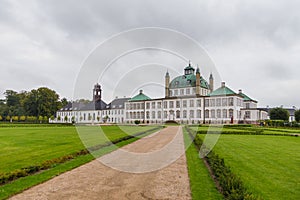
(0, 118)
(279, 114)
(64, 102)
(297, 115)
(43, 101)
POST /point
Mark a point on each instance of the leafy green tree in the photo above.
(7, 118)
(58, 118)
(43, 101)
(64, 102)
(1, 118)
(279, 114)
(66, 118)
(297, 115)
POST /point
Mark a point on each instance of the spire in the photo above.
(211, 76)
(167, 74)
(197, 70)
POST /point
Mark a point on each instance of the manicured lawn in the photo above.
(269, 166)
(202, 185)
(26, 146)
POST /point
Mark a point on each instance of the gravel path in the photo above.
(95, 180)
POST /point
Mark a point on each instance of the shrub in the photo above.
(232, 186)
(137, 122)
(22, 118)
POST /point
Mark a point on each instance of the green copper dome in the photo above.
(187, 81)
(140, 97)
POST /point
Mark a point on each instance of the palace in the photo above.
(189, 99)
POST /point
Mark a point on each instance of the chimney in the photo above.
(223, 84)
(240, 91)
(141, 91)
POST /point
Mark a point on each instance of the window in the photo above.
(177, 114)
(206, 113)
(147, 114)
(206, 102)
(184, 103)
(177, 104)
(198, 113)
(194, 90)
(230, 101)
(142, 114)
(218, 102)
(148, 105)
(165, 114)
(184, 114)
(158, 104)
(165, 104)
(153, 105)
(198, 102)
(138, 106)
(213, 114)
(191, 114)
(224, 102)
(218, 113)
(159, 114)
(247, 105)
(191, 103)
(247, 115)
(171, 93)
(213, 102)
(153, 114)
(175, 92)
(171, 104)
(181, 91)
(224, 113)
(188, 91)
(230, 113)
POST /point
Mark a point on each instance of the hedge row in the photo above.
(232, 186)
(26, 171)
(246, 132)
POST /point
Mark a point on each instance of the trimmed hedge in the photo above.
(26, 171)
(232, 186)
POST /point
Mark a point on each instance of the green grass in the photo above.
(24, 183)
(202, 185)
(269, 166)
(26, 146)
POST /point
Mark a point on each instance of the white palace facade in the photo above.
(189, 99)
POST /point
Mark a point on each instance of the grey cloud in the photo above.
(250, 41)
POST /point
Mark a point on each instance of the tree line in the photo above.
(38, 104)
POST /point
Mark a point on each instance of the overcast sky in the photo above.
(255, 44)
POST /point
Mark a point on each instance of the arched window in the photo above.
(153, 114)
(177, 114)
(184, 114)
(206, 113)
(159, 114)
(218, 113)
(191, 114)
(230, 113)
